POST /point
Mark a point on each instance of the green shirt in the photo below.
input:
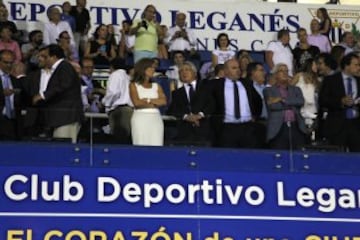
(146, 39)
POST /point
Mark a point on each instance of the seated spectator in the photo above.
(4, 21)
(348, 42)
(55, 26)
(162, 48)
(71, 54)
(99, 48)
(223, 53)
(30, 50)
(111, 37)
(244, 60)
(127, 41)
(173, 72)
(6, 42)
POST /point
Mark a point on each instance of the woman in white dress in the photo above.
(147, 127)
(307, 81)
(223, 53)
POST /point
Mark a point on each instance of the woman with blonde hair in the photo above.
(147, 127)
(307, 80)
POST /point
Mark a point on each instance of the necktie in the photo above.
(236, 101)
(8, 107)
(349, 111)
(191, 93)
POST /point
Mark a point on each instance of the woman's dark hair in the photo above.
(324, 12)
(96, 34)
(220, 36)
(140, 68)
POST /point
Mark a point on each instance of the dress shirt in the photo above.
(180, 44)
(52, 31)
(45, 77)
(245, 112)
(353, 85)
(187, 88)
(259, 89)
(289, 114)
(117, 90)
(320, 41)
(11, 96)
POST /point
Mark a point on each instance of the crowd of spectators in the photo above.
(299, 95)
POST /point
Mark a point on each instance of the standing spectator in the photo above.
(55, 26)
(303, 51)
(147, 31)
(100, 49)
(30, 50)
(307, 81)
(285, 126)
(325, 21)
(326, 65)
(82, 24)
(66, 16)
(162, 48)
(237, 106)
(62, 96)
(111, 35)
(127, 41)
(317, 39)
(180, 37)
(280, 51)
(256, 74)
(6, 42)
(9, 98)
(147, 127)
(117, 101)
(192, 105)
(223, 53)
(340, 94)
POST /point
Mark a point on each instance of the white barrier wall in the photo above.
(250, 25)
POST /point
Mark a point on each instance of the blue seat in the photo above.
(205, 56)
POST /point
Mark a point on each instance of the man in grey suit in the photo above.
(285, 126)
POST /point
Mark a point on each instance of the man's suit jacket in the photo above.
(63, 97)
(202, 102)
(276, 111)
(17, 108)
(331, 93)
(218, 86)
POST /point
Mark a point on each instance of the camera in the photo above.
(144, 24)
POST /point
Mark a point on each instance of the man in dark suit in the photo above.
(237, 106)
(285, 126)
(10, 99)
(62, 95)
(191, 104)
(340, 95)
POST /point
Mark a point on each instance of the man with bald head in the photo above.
(238, 105)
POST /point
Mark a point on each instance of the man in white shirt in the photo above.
(55, 26)
(180, 38)
(280, 51)
(117, 101)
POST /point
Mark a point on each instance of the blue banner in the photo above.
(192, 198)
